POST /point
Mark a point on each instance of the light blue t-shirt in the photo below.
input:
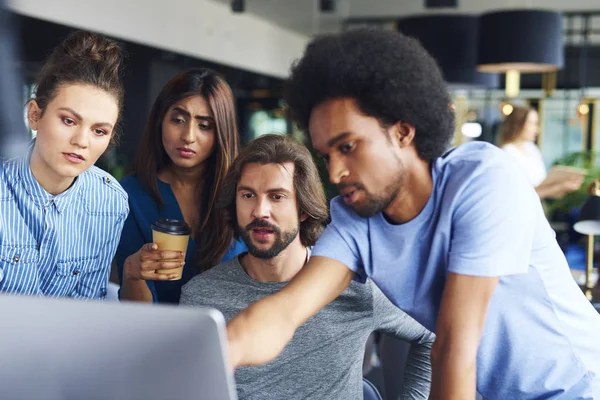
(541, 338)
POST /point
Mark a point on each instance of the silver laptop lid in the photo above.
(62, 349)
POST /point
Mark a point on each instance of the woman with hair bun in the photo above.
(60, 216)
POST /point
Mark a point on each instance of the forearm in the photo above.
(417, 374)
(454, 371)
(554, 190)
(134, 289)
(545, 191)
(259, 333)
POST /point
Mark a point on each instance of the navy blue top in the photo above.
(137, 231)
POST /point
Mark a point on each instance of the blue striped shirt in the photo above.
(63, 245)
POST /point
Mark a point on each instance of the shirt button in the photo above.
(76, 272)
(107, 180)
(16, 259)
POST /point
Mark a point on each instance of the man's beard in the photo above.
(375, 203)
(282, 239)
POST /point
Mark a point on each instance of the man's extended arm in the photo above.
(259, 333)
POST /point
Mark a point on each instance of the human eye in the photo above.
(100, 132)
(346, 148)
(205, 126)
(68, 121)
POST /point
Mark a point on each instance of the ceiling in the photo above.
(303, 16)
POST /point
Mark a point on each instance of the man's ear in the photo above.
(34, 113)
(404, 133)
(303, 217)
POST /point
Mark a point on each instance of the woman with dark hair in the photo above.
(518, 134)
(60, 216)
(190, 141)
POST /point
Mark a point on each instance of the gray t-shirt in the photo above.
(324, 359)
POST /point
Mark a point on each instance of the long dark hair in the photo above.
(212, 235)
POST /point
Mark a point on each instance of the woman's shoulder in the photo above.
(5, 177)
(532, 148)
(237, 247)
(131, 183)
(509, 147)
(101, 188)
(142, 200)
(95, 178)
(9, 170)
(135, 189)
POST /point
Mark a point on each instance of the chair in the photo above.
(393, 354)
(370, 391)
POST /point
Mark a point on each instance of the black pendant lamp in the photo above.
(452, 41)
(520, 41)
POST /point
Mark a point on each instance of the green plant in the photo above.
(583, 159)
(114, 162)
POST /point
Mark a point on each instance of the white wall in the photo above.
(198, 28)
(360, 8)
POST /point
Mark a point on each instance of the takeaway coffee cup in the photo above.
(171, 234)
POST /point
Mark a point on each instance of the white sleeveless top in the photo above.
(530, 161)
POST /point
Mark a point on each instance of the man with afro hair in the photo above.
(457, 239)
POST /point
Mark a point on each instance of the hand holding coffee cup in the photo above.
(170, 236)
(148, 259)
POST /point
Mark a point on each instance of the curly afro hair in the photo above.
(390, 76)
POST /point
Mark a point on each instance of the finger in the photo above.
(171, 255)
(150, 256)
(160, 265)
(163, 277)
(170, 264)
(150, 247)
(153, 276)
(150, 265)
(163, 255)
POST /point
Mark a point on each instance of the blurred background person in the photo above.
(518, 134)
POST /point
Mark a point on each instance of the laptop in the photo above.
(63, 349)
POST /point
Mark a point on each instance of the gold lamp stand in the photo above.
(588, 224)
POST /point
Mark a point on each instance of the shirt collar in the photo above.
(37, 193)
